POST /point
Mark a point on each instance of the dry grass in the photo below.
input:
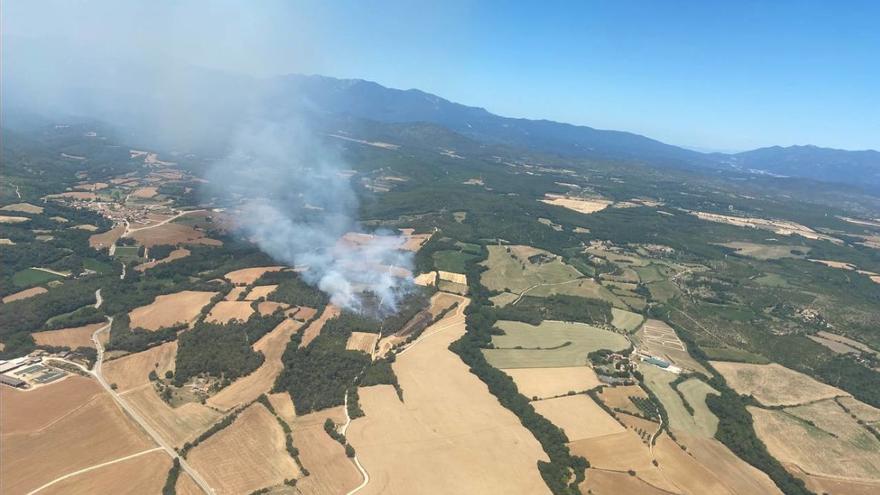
(24, 294)
(176, 425)
(552, 382)
(313, 330)
(226, 311)
(510, 269)
(796, 442)
(863, 411)
(455, 278)
(9, 219)
(686, 472)
(260, 291)
(283, 405)
(235, 293)
(269, 307)
(85, 226)
(171, 234)
(453, 434)
(173, 255)
(170, 310)
(247, 276)
(580, 205)
(23, 412)
(619, 397)
(579, 416)
(600, 482)
(248, 388)
(147, 473)
(89, 432)
(331, 471)
(68, 337)
(133, 370)
(247, 455)
(362, 341)
(23, 208)
(106, 239)
(737, 475)
(774, 385)
(145, 192)
(622, 452)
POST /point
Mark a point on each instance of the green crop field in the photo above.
(127, 253)
(509, 271)
(702, 423)
(626, 320)
(30, 277)
(452, 261)
(551, 337)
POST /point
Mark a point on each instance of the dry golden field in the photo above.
(176, 425)
(619, 397)
(226, 311)
(170, 310)
(331, 471)
(737, 475)
(454, 435)
(580, 205)
(24, 208)
(579, 416)
(362, 341)
(173, 255)
(774, 385)
(247, 276)
(247, 455)
(24, 294)
(313, 330)
(260, 291)
(171, 234)
(235, 293)
(552, 382)
(248, 388)
(106, 239)
(144, 474)
(68, 337)
(86, 433)
(133, 370)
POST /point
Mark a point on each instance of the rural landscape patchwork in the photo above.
(361, 290)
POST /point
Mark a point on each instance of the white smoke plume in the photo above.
(293, 198)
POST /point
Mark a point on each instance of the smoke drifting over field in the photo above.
(297, 204)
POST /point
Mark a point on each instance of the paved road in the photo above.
(96, 372)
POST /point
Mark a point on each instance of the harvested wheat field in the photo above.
(549, 344)
(619, 397)
(133, 370)
(90, 432)
(552, 382)
(331, 472)
(24, 294)
(413, 242)
(226, 311)
(145, 192)
(9, 219)
(283, 405)
(173, 255)
(304, 313)
(106, 239)
(176, 425)
(260, 291)
(23, 412)
(793, 441)
(426, 279)
(68, 337)
(454, 435)
(170, 310)
(601, 482)
(774, 385)
(835, 486)
(269, 307)
(622, 452)
(145, 474)
(247, 276)
(626, 320)
(186, 485)
(247, 455)
(865, 412)
(171, 234)
(737, 475)
(684, 471)
(580, 205)
(85, 226)
(235, 293)
(362, 341)
(23, 208)
(579, 416)
(314, 329)
(248, 388)
(643, 427)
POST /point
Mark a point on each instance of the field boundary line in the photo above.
(92, 468)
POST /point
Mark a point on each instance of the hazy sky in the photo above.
(708, 74)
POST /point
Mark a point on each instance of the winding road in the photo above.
(96, 372)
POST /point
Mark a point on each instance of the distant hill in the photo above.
(813, 162)
(369, 100)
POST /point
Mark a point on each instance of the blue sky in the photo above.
(706, 74)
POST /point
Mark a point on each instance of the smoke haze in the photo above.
(297, 204)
